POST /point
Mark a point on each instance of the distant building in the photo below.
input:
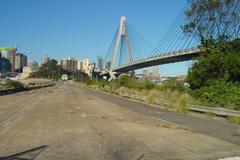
(155, 71)
(99, 62)
(145, 71)
(153, 76)
(10, 54)
(70, 64)
(108, 65)
(85, 64)
(5, 65)
(32, 64)
(46, 59)
(80, 65)
(89, 70)
(20, 61)
(39, 64)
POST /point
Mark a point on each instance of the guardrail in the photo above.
(219, 111)
(216, 110)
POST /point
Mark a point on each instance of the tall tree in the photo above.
(211, 18)
(51, 70)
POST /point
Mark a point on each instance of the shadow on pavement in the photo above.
(26, 155)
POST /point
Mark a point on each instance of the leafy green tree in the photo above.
(50, 70)
(211, 18)
(220, 61)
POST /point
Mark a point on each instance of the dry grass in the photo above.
(235, 120)
(182, 104)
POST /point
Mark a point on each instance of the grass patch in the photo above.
(235, 120)
(210, 114)
(150, 99)
(182, 104)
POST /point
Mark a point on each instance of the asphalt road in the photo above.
(82, 124)
(219, 129)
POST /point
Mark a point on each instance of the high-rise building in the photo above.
(85, 64)
(99, 62)
(145, 72)
(70, 64)
(108, 65)
(20, 61)
(10, 54)
(80, 65)
(5, 65)
(155, 71)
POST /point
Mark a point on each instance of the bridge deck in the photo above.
(172, 57)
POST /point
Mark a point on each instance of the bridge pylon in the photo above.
(122, 37)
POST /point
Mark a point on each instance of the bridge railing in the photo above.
(169, 54)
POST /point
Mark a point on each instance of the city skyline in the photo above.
(81, 33)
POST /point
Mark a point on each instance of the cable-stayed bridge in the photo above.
(130, 50)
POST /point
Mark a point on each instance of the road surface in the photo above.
(79, 124)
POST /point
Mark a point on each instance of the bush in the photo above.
(13, 84)
(225, 94)
(100, 84)
(182, 104)
(220, 61)
(173, 85)
(235, 120)
(130, 82)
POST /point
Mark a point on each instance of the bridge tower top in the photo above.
(122, 27)
(122, 37)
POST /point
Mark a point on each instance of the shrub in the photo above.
(149, 85)
(130, 82)
(235, 120)
(173, 85)
(182, 104)
(150, 98)
(225, 94)
(13, 84)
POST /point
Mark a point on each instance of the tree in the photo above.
(211, 18)
(50, 70)
(220, 61)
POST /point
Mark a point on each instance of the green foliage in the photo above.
(124, 81)
(235, 120)
(130, 82)
(221, 60)
(210, 114)
(13, 84)
(100, 83)
(91, 82)
(173, 85)
(150, 98)
(80, 76)
(182, 104)
(210, 18)
(215, 77)
(225, 94)
(50, 70)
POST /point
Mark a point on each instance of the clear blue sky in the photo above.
(83, 28)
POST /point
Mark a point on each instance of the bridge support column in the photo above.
(112, 76)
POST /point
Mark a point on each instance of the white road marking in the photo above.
(162, 120)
